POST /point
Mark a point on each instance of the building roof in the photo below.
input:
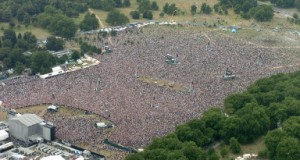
(28, 119)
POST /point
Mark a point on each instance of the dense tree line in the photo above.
(145, 7)
(246, 8)
(25, 11)
(268, 106)
(20, 51)
(171, 9)
(90, 22)
(116, 18)
(108, 5)
(12, 47)
(57, 23)
(286, 3)
(54, 15)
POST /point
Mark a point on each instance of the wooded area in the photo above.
(270, 107)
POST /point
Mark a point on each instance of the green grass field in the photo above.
(253, 148)
(19, 28)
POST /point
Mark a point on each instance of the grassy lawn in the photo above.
(38, 32)
(252, 148)
(38, 110)
(3, 116)
(79, 19)
(163, 83)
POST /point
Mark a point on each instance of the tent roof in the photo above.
(28, 119)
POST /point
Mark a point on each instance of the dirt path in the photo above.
(101, 24)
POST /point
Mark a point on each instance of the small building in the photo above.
(30, 128)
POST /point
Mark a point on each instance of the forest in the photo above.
(269, 108)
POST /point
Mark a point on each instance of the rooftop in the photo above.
(28, 119)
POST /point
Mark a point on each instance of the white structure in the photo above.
(3, 135)
(30, 128)
(101, 125)
(59, 157)
(53, 108)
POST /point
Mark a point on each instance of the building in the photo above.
(30, 128)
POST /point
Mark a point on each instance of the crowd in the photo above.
(111, 89)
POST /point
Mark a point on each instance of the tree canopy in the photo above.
(116, 18)
(90, 22)
(270, 105)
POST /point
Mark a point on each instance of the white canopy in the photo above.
(3, 135)
(53, 107)
(58, 157)
(101, 125)
(80, 158)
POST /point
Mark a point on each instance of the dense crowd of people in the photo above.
(142, 111)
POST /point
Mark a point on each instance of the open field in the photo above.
(252, 148)
(19, 28)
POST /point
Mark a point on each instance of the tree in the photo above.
(234, 102)
(254, 122)
(156, 154)
(224, 152)
(297, 4)
(288, 149)
(41, 62)
(284, 4)
(20, 15)
(205, 8)
(126, 3)
(213, 118)
(161, 15)
(262, 13)
(19, 68)
(108, 5)
(118, 3)
(148, 15)
(116, 18)
(234, 145)
(144, 5)
(169, 143)
(192, 152)
(211, 154)
(230, 128)
(177, 154)
(135, 14)
(154, 6)
(292, 126)
(30, 39)
(10, 35)
(272, 139)
(65, 28)
(277, 113)
(58, 24)
(90, 22)
(54, 44)
(136, 156)
(75, 55)
(193, 9)
(170, 9)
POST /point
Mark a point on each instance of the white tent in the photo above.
(101, 125)
(58, 157)
(52, 107)
(80, 158)
(3, 135)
